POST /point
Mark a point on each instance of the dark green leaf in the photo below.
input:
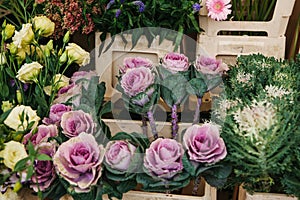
(126, 186)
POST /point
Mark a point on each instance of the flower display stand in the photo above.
(230, 46)
(205, 192)
(244, 195)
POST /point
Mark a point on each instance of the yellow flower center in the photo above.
(218, 6)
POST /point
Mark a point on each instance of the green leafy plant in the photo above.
(262, 121)
(120, 16)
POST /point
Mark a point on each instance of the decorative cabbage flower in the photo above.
(56, 111)
(78, 55)
(204, 143)
(211, 66)
(43, 133)
(218, 9)
(12, 153)
(78, 161)
(135, 62)
(43, 25)
(23, 37)
(29, 72)
(69, 94)
(75, 122)
(163, 158)
(175, 62)
(119, 154)
(82, 75)
(136, 80)
(15, 121)
(44, 169)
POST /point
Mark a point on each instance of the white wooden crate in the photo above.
(231, 46)
(107, 65)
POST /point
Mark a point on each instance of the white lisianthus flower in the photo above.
(28, 72)
(43, 25)
(12, 153)
(78, 55)
(23, 37)
(14, 119)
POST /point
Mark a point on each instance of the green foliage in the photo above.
(122, 16)
(248, 10)
(261, 155)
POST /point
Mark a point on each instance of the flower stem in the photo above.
(196, 185)
(174, 121)
(197, 111)
(144, 125)
(152, 124)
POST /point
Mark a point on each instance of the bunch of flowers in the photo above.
(173, 80)
(55, 141)
(119, 16)
(32, 74)
(262, 122)
(71, 15)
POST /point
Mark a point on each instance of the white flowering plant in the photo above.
(32, 71)
(261, 127)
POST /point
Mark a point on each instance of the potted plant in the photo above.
(261, 124)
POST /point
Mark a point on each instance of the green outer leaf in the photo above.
(124, 187)
(188, 166)
(196, 86)
(137, 33)
(21, 164)
(43, 157)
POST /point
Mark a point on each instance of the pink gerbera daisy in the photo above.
(218, 9)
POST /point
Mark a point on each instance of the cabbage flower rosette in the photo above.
(173, 77)
(139, 91)
(206, 74)
(79, 162)
(123, 160)
(164, 166)
(204, 150)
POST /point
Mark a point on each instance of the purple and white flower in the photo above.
(163, 158)
(79, 161)
(75, 122)
(204, 144)
(43, 133)
(137, 80)
(135, 62)
(175, 62)
(119, 154)
(44, 169)
(56, 111)
(210, 66)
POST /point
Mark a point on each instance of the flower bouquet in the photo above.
(55, 142)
